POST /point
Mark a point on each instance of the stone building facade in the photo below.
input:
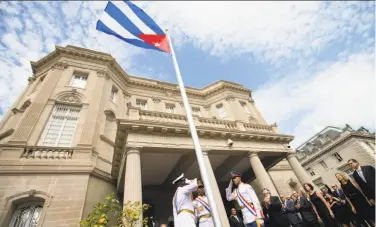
(84, 128)
(327, 153)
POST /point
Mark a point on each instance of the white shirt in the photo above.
(360, 173)
(249, 195)
(182, 198)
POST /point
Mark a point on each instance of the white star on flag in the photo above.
(157, 44)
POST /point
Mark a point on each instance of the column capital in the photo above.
(291, 155)
(252, 154)
(133, 149)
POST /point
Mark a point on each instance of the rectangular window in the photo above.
(337, 156)
(170, 108)
(221, 111)
(142, 104)
(323, 164)
(61, 126)
(196, 112)
(78, 81)
(114, 92)
(311, 172)
(245, 107)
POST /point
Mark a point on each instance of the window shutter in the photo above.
(61, 126)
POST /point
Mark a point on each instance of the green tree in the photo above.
(130, 216)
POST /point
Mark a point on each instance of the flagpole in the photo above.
(196, 142)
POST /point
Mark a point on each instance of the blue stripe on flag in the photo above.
(122, 19)
(145, 18)
(103, 28)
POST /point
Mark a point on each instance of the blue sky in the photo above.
(309, 64)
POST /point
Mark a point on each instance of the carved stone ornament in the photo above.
(181, 104)
(60, 65)
(207, 107)
(169, 93)
(72, 98)
(252, 119)
(101, 73)
(32, 192)
(251, 100)
(31, 79)
(230, 98)
(126, 94)
(156, 99)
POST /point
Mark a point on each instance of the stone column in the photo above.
(261, 173)
(157, 104)
(216, 192)
(132, 182)
(237, 112)
(97, 101)
(298, 169)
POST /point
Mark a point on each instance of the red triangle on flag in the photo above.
(158, 41)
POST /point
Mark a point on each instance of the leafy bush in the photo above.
(128, 217)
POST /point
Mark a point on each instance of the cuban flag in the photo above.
(126, 21)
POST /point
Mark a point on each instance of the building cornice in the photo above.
(107, 60)
(305, 161)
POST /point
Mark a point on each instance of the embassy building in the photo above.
(84, 128)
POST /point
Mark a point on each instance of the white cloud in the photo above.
(269, 30)
(289, 35)
(335, 94)
(43, 28)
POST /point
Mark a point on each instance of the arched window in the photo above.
(26, 215)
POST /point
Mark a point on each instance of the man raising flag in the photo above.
(131, 24)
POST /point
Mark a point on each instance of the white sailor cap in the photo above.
(179, 178)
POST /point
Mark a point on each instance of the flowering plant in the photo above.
(127, 216)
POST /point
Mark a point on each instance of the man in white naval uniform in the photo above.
(246, 198)
(182, 202)
(202, 208)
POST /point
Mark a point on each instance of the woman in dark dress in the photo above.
(343, 215)
(364, 211)
(320, 206)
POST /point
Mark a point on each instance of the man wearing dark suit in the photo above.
(304, 207)
(294, 218)
(235, 220)
(272, 208)
(365, 177)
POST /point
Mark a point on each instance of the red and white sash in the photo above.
(246, 204)
(204, 204)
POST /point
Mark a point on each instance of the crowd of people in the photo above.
(350, 204)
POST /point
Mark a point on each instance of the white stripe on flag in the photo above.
(133, 17)
(112, 24)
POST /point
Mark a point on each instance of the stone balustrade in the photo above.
(47, 153)
(215, 123)
(258, 128)
(162, 118)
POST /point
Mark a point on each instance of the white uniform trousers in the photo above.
(185, 219)
(206, 222)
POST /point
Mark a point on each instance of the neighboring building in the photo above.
(327, 152)
(84, 128)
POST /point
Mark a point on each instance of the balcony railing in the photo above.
(136, 114)
(215, 123)
(162, 117)
(47, 153)
(258, 128)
